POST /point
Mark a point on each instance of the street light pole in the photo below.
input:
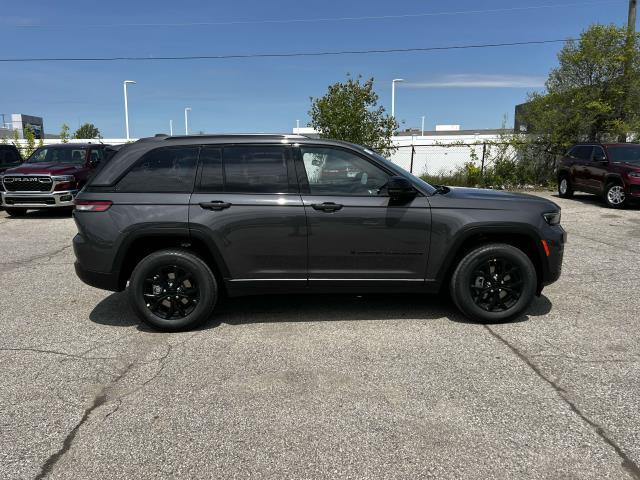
(423, 125)
(126, 105)
(186, 120)
(393, 95)
(171, 127)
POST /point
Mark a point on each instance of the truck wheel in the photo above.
(494, 283)
(16, 212)
(614, 195)
(173, 290)
(565, 190)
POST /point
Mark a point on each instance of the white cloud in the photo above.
(466, 80)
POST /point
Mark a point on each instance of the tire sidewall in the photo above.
(461, 280)
(569, 192)
(606, 196)
(205, 279)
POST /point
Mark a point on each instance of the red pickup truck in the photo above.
(51, 177)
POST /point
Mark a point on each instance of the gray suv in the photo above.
(180, 221)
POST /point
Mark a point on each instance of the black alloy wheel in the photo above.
(496, 285)
(171, 292)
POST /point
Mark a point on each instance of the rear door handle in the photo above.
(327, 206)
(216, 205)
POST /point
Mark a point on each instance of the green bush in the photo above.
(513, 162)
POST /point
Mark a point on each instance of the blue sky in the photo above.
(474, 88)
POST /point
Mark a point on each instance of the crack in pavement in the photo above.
(98, 400)
(43, 256)
(627, 463)
(102, 397)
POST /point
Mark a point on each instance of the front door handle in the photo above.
(216, 205)
(327, 206)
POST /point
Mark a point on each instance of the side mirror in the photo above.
(600, 159)
(94, 163)
(399, 188)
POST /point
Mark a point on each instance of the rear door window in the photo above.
(581, 152)
(212, 177)
(255, 169)
(598, 154)
(166, 170)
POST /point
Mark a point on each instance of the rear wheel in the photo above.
(614, 195)
(16, 212)
(494, 283)
(565, 189)
(173, 290)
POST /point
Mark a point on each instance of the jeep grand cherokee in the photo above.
(179, 221)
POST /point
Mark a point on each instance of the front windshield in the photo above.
(626, 154)
(74, 156)
(429, 188)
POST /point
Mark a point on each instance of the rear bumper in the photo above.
(104, 281)
(109, 280)
(39, 199)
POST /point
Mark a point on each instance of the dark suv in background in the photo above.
(51, 177)
(9, 157)
(180, 220)
(611, 170)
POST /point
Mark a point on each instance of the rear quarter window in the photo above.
(167, 169)
(581, 152)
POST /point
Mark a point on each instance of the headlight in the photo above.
(634, 174)
(552, 218)
(63, 178)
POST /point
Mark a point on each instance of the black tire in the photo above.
(512, 270)
(16, 212)
(565, 189)
(151, 285)
(614, 195)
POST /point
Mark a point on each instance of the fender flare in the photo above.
(468, 231)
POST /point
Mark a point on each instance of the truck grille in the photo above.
(27, 183)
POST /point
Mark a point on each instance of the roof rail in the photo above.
(223, 135)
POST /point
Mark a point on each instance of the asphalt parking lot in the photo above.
(322, 387)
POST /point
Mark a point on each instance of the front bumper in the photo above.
(39, 199)
(556, 238)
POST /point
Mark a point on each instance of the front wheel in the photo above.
(565, 190)
(614, 195)
(173, 290)
(494, 283)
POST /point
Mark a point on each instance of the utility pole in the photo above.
(628, 63)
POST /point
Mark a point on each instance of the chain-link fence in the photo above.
(443, 159)
(509, 164)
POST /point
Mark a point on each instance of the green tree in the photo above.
(349, 111)
(30, 137)
(87, 130)
(64, 133)
(589, 97)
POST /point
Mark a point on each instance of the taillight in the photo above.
(92, 205)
